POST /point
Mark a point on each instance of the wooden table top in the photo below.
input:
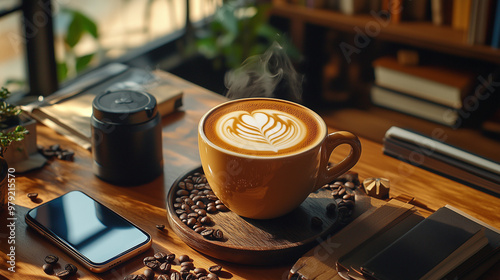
(145, 205)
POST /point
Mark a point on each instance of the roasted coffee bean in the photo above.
(160, 227)
(350, 185)
(162, 277)
(32, 195)
(335, 193)
(66, 155)
(316, 222)
(188, 264)
(215, 269)
(212, 197)
(212, 276)
(151, 262)
(175, 276)
(201, 212)
(342, 191)
(184, 258)
(182, 192)
(149, 273)
(51, 259)
(218, 202)
(207, 233)
(180, 211)
(331, 208)
(347, 197)
(170, 257)
(206, 220)
(200, 270)
(199, 229)
(189, 186)
(183, 216)
(191, 222)
(193, 215)
(160, 256)
(190, 277)
(63, 274)
(211, 209)
(165, 267)
(184, 269)
(218, 234)
(48, 268)
(189, 201)
(222, 207)
(71, 268)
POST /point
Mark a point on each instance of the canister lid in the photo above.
(124, 107)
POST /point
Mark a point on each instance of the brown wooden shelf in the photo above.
(420, 34)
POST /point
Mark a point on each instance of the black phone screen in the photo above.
(94, 231)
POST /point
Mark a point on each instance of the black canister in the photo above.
(126, 137)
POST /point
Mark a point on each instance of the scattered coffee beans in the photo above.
(51, 259)
(48, 268)
(186, 269)
(71, 268)
(32, 195)
(63, 274)
(160, 227)
(56, 151)
(194, 201)
(149, 274)
(343, 189)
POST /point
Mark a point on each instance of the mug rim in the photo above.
(320, 120)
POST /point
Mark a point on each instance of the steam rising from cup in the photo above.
(268, 75)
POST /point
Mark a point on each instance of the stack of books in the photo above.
(448, 244)
(443, 159)
(431, 92)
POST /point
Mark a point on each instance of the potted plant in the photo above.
(14, 127)
(6, 139)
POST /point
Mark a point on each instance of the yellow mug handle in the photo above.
(332, 141)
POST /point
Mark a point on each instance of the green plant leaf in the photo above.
(83, 61)
(62, 71)
(89, 26)
(75, 29)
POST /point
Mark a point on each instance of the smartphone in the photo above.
(89, 231)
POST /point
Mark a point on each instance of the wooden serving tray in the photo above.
(264, 242)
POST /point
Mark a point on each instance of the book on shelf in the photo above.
(442, 85)
(441, 12)
(70, 116)
(414, 106)
(461, 14)
(443, 159)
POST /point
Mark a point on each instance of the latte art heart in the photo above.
(261, 130)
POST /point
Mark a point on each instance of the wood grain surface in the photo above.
(145, 205)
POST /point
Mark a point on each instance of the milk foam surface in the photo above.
(262, 127)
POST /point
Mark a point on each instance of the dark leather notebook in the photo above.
(434, 247)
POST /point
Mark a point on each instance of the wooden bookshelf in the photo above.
(371, 121)
(421, 34)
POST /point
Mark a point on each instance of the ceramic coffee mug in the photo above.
(263, 157)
